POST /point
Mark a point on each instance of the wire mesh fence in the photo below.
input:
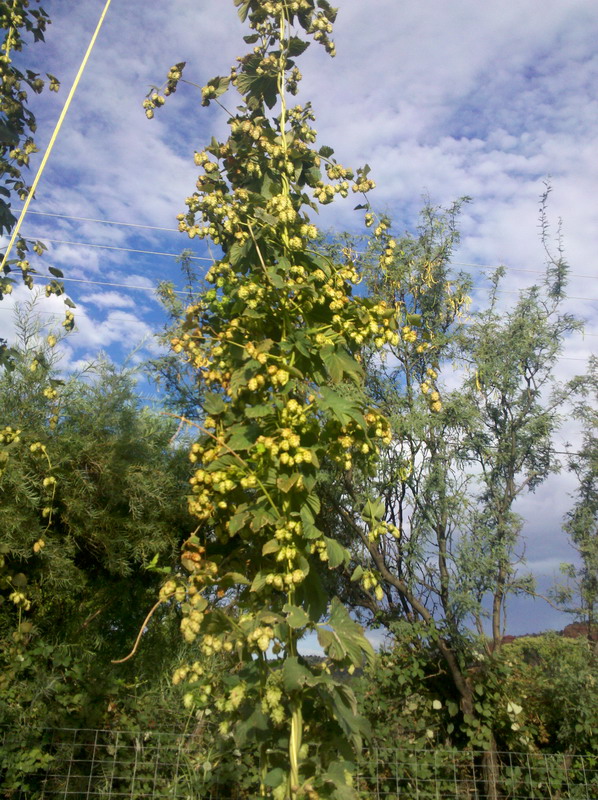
(109, 765)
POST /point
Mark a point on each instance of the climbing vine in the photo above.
(276, 343)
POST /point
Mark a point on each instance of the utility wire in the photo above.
(106, 221)
(123, 249)
(131, 313)
(515, 269)
(213, 261)
(176, 230)
(155, 288)
(111, 284)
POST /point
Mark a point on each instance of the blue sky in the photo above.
(445, 99)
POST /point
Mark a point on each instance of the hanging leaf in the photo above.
(294, 674)
(213, 403)
(346, 638)
(296, 617)
(286, 482)
(337, 554)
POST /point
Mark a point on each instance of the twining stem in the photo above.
(295, 747)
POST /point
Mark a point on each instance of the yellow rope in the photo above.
(17, 228)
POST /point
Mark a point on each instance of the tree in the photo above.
(91, 502)
(17, 122)
(582, 521)
(450, 478)
(17, 127)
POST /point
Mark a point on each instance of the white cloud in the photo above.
(110, 300)
(483, 99)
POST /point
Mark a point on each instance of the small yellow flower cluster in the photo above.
(324, 192)
(8, 435)
(209, 488)
(189, 674)
(284, 580)
(363, 185)
(272, 699)
(292, 83)
(338, 172)
(251, 293)
(408, 334)
(382, 529)
(294, 414)
(388, 254)
(69, 321)
(370, 581)
(262, 637)
(194, 676)
(20, 599)
(429, 390)
(318, 547)
(285, 448)
(281, 207)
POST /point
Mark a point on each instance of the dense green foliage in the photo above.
(20, 21)
(536, 694)
(357, 456)
(91, 496)
(582, 521)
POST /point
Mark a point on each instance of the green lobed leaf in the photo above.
(261, 517)
(286, 482)
(243, 6)
(339, 363)
(243, 436)
(296, 617)
(275, 777)
(312, 596)
(343, 409)
(337, 554)
(346, 639)
(238, 521)
(255, 412)
(255, 727)
(294, 674)
(296, 46)
(271, 546)
(213, 403)
(259, 581)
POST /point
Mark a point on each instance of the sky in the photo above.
(441, 99)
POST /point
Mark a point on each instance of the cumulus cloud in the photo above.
(448, 99)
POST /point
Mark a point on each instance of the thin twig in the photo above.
(139, 635)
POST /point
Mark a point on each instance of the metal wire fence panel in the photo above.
(73, 764)
(110, 765)
(445, 774)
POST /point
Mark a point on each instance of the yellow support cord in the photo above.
(17, 228)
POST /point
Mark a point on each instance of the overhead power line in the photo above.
(472, 265)
(213, 261)
(105, 221)
(112, 285)
(123, 249)
(516, 269)
(178, 291)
